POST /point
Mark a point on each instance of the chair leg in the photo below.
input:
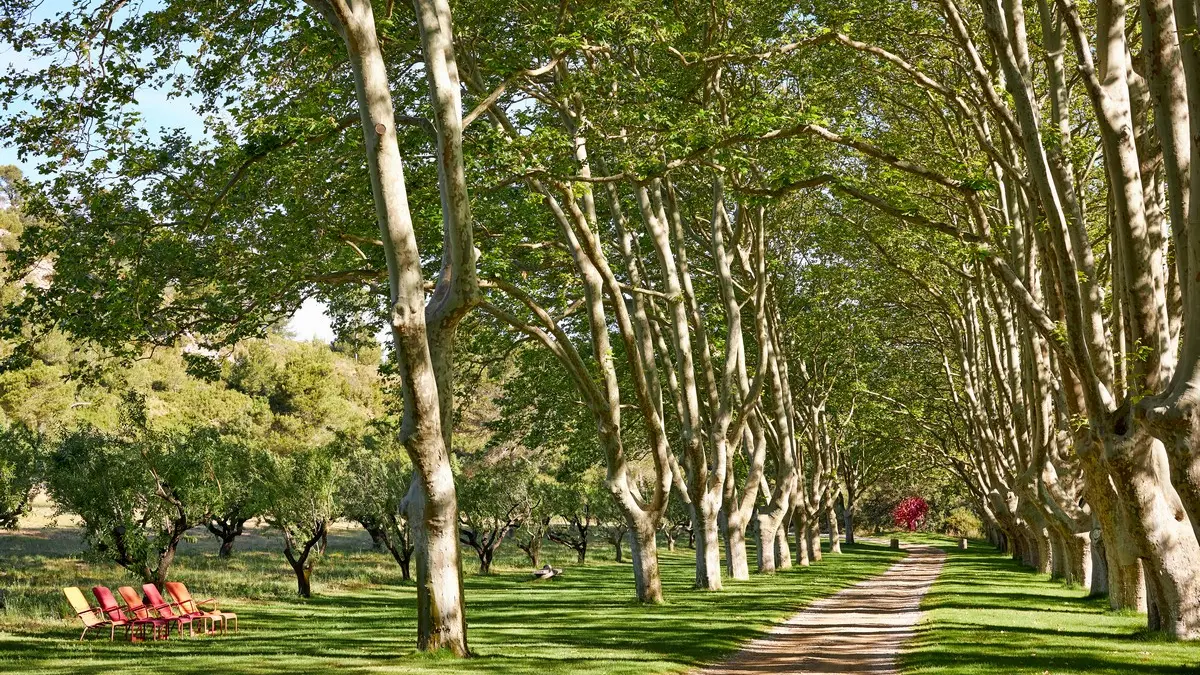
(85, 630)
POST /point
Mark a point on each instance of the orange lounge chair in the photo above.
(91, 616)
(133, 602)
(183, 599)
(164, 610)
(117, 617)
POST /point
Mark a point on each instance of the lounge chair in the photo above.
(133, 605)
(91, 616)
(166, 609)
(117, 617)
(192, 607)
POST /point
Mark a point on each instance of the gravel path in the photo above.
(859, 630)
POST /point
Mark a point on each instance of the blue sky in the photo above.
(311, 321)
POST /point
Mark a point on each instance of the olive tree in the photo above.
(242, 491)
(137, 491)
(495, 499)
(21, 466)
(303, 506)
(372, 488)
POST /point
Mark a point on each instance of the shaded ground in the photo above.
(987, 615)
(363, 616)
(858, 630)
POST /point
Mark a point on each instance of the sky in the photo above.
(312, 320)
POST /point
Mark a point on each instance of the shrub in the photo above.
(962, 522)
(910, 512)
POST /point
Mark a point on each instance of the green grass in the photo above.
(987, 614)
(362, 618)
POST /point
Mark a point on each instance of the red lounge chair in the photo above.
(133, 605)
(91, 616)
(108, 605)
(192, 607)
(165, 610)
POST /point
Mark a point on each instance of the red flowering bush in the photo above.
(910, 512)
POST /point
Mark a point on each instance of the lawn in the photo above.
(987, 614)
(362, 617)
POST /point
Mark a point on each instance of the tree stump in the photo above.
(962, 544)
(895, 544)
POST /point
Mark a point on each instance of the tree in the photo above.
(496, 499)
(910, 512)
(137, 491)
(303, 506)
(21, 472)
(164, 288)
(372, 489)
(536, 527)
(243, 490)
(578, 499)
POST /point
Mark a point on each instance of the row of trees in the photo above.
(764, 232)
(1026, 177)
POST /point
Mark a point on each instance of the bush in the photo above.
(962, 522)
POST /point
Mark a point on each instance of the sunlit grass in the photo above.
(987, 614)
(362, 618)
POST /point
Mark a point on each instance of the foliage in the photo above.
(137, 491)
(962, 522)
(910, 512)
(21, 470)
(303, 506)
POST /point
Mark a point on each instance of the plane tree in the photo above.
(274, 194)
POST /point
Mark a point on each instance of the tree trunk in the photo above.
(783, 553)
(1127, 587)
(766, 544)
(302, 569)
(227, 531)
(403, 558)
(1139, 470)
(812, 539)
(644, 549)
(848, 511)
(1078, 549)
(835, 538)
(434, 522)
(735, 547)
(376, 539)
(158, 576)
(441, 622)
(1059, 565)
(1099, 576)
(303, 581)
(798, 520)
(708, 545)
